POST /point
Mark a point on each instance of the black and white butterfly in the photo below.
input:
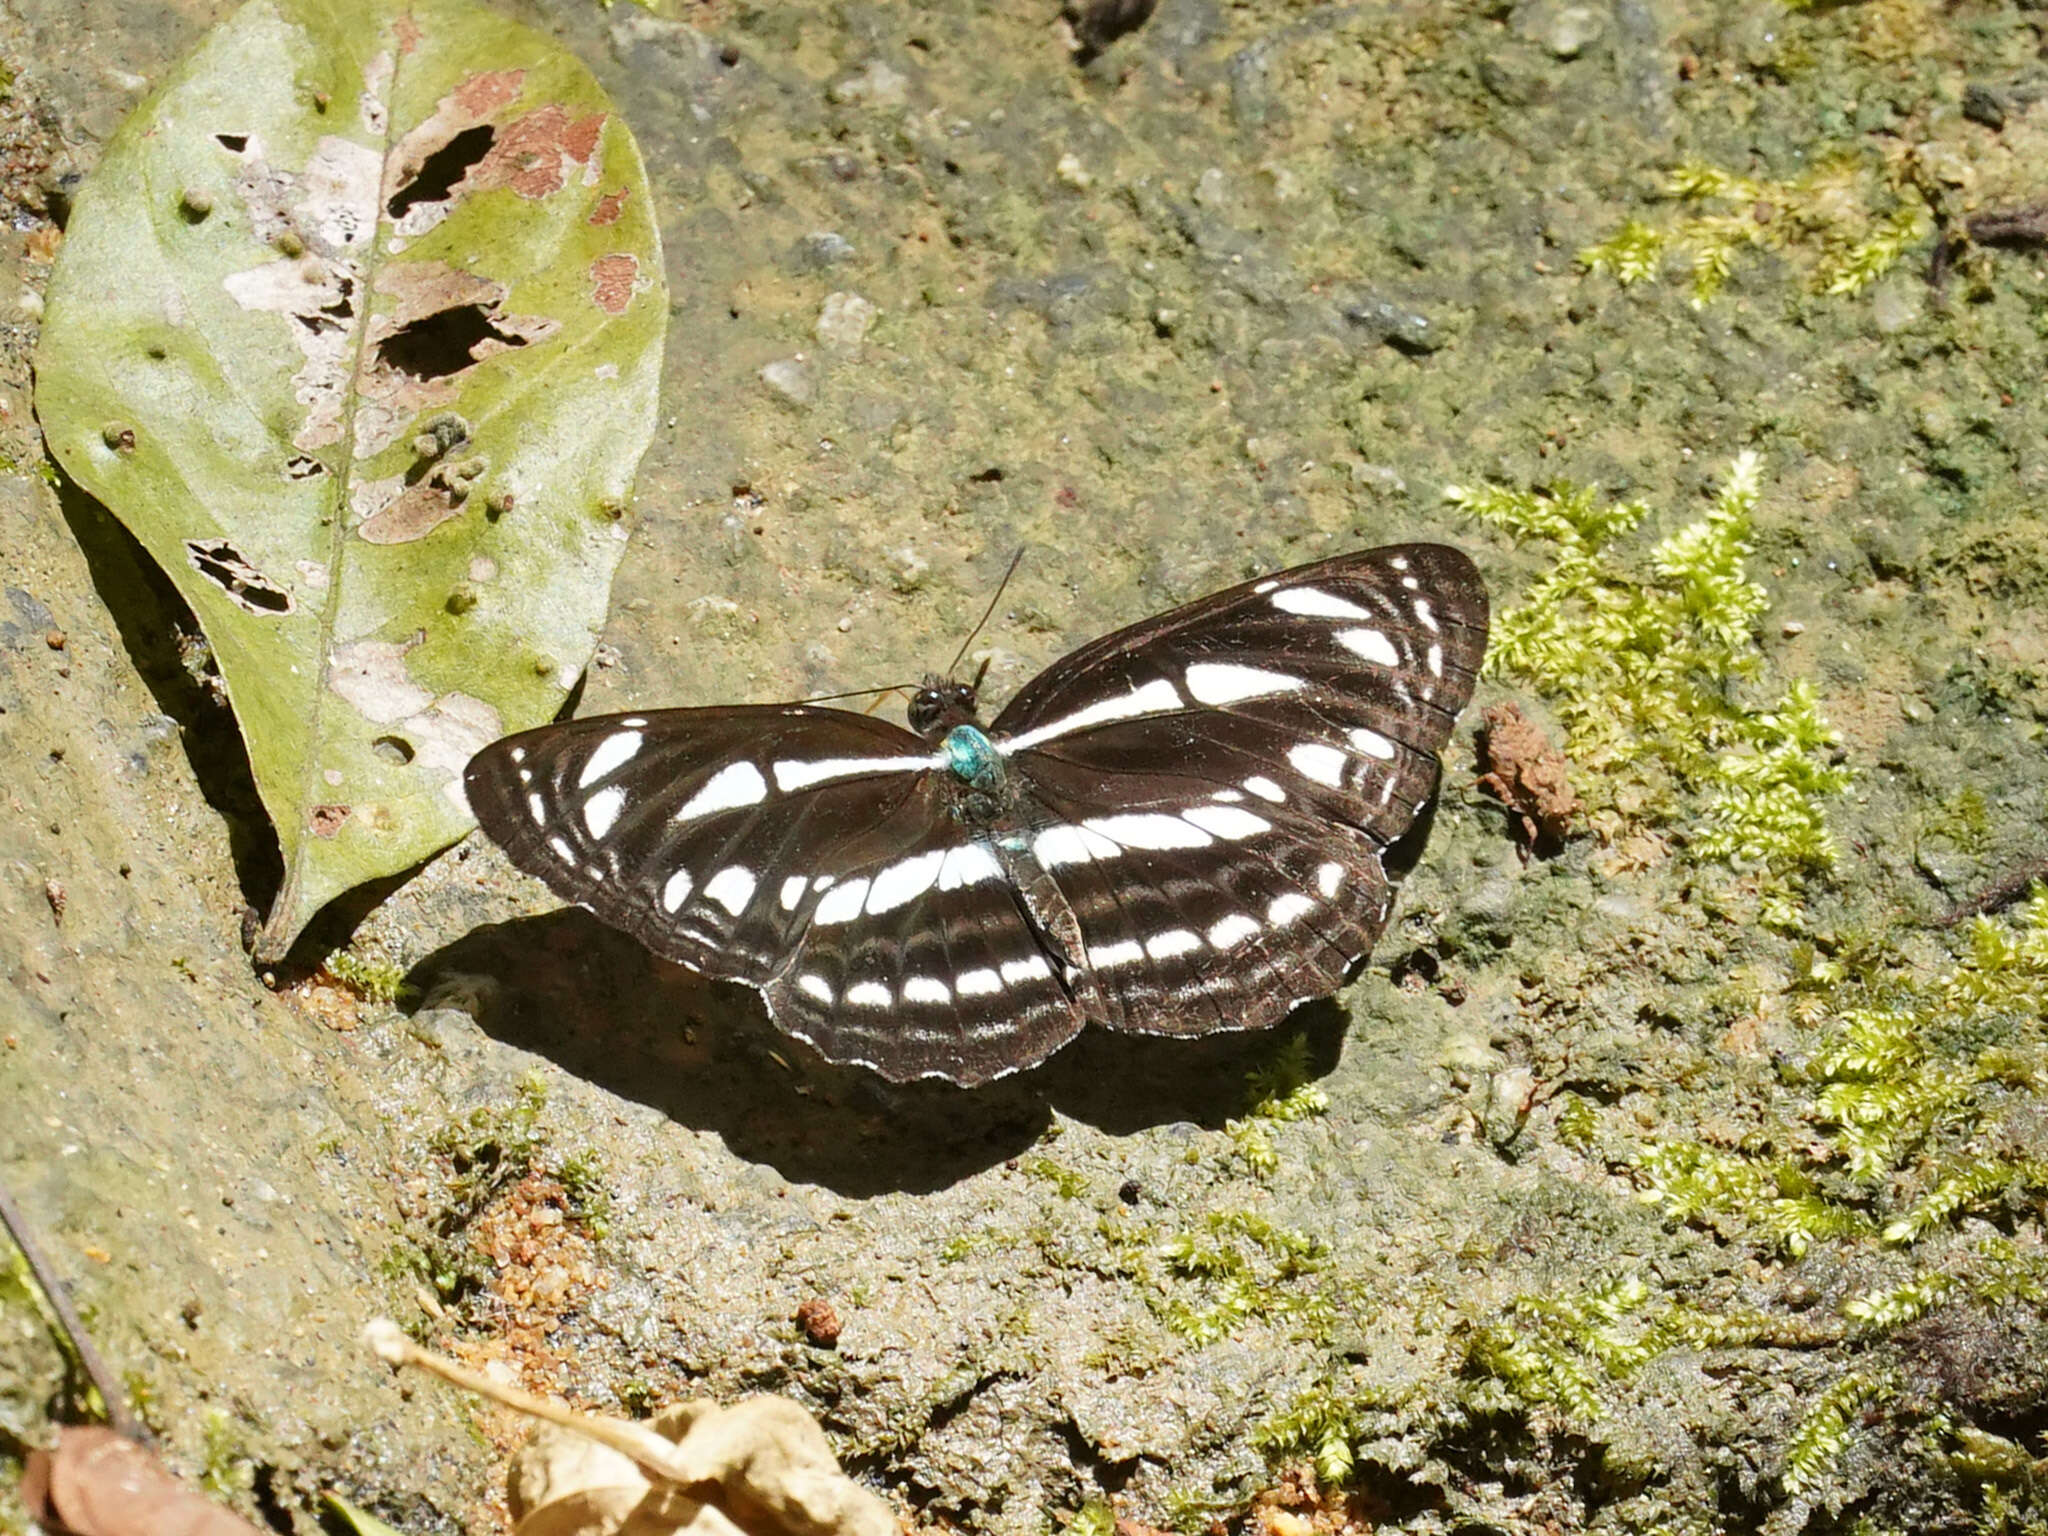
(1180, 828)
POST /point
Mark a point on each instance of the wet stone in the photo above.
(790, 378)
(844, 320)
(820, 250)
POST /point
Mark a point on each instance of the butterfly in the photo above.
(1192, 824)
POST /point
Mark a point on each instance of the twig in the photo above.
(647, 1450)
(2002, 892)
(112, 1398)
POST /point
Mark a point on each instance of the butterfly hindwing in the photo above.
(1214, 788)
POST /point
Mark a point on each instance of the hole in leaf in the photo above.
(233, 143)
(437, 345)
(248, 588)
(441, 170)
(393, 749)
(303, 467)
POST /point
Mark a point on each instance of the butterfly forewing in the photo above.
(801, 851)
(1213, 789)
(1189, 832)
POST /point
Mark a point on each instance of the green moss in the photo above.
(1067, 1183)
(1644, 661)
(1824, 1434)
(1578, 1124)
(1281, 1094)
(1897, 1110)
(1846, 222)
(585, 1182)
(225, 1470)
(373, 980)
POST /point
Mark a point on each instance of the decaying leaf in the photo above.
(361, 339)
(761, 1467)
(98, 1482)
(1520, 768)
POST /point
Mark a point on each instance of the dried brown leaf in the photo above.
(98, 1482)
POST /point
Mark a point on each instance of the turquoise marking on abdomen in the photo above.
(973, 757)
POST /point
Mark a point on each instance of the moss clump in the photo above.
(1067, 1183)
(1281, 1094)
(373, 980)
(1900, 1118)
(1245, 1265)
(1817, 1444)
(1846, 220)
(1643, 662)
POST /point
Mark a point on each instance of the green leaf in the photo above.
(361, 1521)
(357, 327)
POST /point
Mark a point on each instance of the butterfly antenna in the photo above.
(1015, 561)
(853, 693)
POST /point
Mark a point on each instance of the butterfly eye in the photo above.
(926, 706)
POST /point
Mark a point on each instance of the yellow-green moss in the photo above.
(1898, 1108)
(372, 979)
(1846, 222)
(1640, 660)
(1281, 1094)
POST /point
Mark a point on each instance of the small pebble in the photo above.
(55, 640)
(1792, 627)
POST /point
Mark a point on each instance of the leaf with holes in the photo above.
(360, 337)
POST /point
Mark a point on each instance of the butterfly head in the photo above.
(940, 704)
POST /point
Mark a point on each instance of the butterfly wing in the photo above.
(1219, 791)
(805, 852)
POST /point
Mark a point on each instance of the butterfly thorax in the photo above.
(946, 713)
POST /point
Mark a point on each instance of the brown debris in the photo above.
(612, 279)
(1519, 767)
(2001, 893)
(819, 1322)
(1298, 1505)
(762, 1466)
(610, 206)
(98, 1482)
(326, 820)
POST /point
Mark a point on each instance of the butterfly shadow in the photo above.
(705, 1055)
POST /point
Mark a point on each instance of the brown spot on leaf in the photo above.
(1520, 768)
(611, 281)
(408, 32)
(417, 513)
(535, 154)
(423, 506)
(610, 206)
(326, 820)
(482, 94)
